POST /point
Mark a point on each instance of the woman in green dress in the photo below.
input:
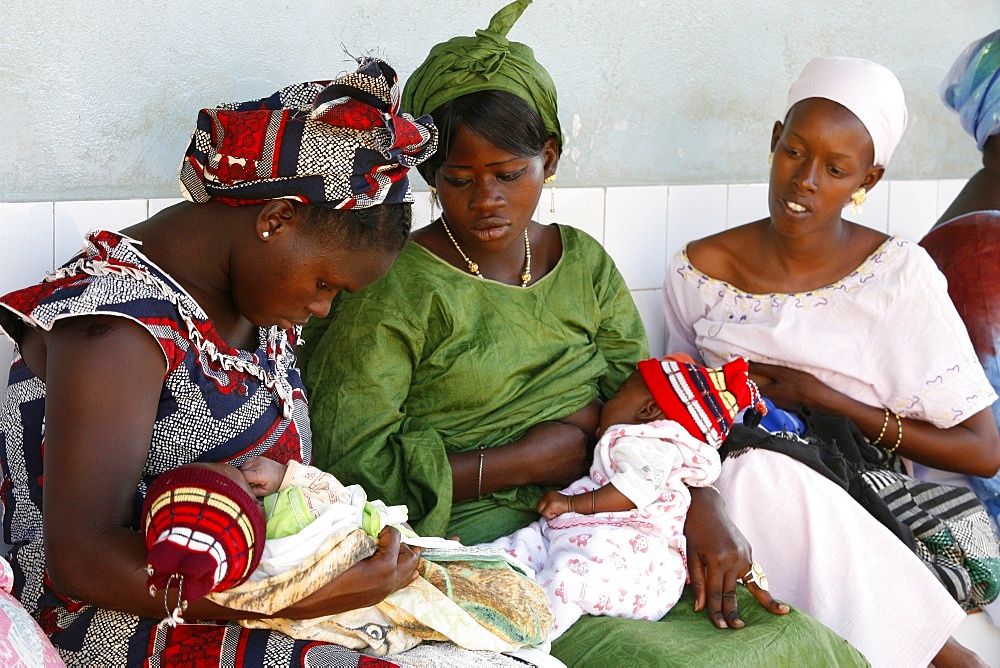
(490, 346)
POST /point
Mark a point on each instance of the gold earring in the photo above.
(858, 198)
(551, 180)
(770, 158)
(433, 199)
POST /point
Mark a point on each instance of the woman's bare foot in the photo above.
(955, 654)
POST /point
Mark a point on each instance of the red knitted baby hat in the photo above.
(703, 401)
(203, 532)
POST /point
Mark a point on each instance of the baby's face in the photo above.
(230, 472)
(624, 407)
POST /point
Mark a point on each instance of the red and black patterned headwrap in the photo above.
(342, 144)
(704, 401)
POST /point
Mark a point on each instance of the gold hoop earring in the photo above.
(858, 198)
(770, 158)
(433, 199)
(551, 180)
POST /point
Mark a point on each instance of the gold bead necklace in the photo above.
(474, 268)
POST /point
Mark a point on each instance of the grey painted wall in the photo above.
(98, 98)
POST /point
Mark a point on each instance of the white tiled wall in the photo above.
(635, 234)
(26, 243)
(695, 212)
(641, 227)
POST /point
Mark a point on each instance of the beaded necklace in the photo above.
(474, 268)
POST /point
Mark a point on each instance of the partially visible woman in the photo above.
(847, 321)
(965, 241)
(972, 89)
(172, 342)
(492, 343)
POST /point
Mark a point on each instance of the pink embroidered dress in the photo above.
(887, 335)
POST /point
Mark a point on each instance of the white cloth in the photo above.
(22, 641)
(826, 555)
(623, 564)
(868, 90)
(887, 335)
(332, 507)
(327, 542)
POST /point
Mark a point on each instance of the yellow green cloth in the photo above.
(431, 360)
(287, 513)
(485, 61)
(478, 601)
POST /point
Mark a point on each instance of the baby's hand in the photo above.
(553, 504)
(264, 475)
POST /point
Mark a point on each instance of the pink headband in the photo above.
(870, 91)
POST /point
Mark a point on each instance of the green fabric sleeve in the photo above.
(359, 375)
(621, 337)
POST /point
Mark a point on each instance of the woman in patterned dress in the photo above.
(171, 342)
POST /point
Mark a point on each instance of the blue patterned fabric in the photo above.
(972, 88)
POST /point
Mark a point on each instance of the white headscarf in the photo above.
(870, 91)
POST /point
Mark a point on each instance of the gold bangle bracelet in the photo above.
(593, 500)
(571, 504)
(899, 435)
(885, 423)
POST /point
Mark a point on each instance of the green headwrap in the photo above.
(488, 61)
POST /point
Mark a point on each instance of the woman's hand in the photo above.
(550, 454)
(789, 388)
(971, 446)
(560, 456)
(553, 454)
(718, 555)
(392, 567)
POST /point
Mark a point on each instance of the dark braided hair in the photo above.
(382, 227)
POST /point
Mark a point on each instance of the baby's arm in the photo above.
(264, 475)
(605, 499)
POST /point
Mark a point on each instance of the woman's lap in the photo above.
(685, 638)
(829, 557)
(689, 637)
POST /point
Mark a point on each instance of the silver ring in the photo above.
(756, 576)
